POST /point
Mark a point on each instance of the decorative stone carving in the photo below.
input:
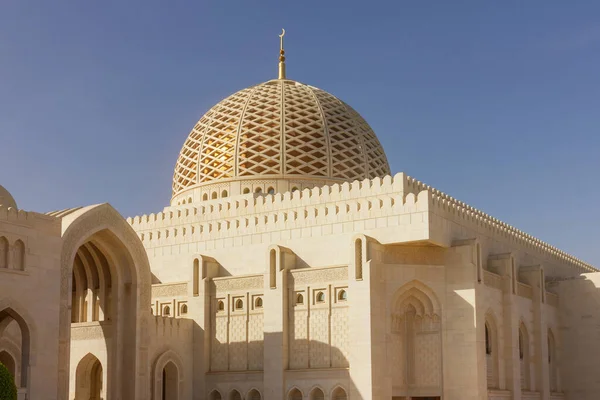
(169, 290)
(308, 275)
(241, 283)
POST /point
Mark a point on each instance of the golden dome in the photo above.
(280, 129)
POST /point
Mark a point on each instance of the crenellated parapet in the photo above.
(25, 218)
(386, 202)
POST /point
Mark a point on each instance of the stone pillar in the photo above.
(199, 309)
(463, 331)
(504, 265)
(369, 377)
(276, 310)
(534, 276)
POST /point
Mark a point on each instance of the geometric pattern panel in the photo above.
(259, 149)
(219, 345)
(279, 128)
(299, 340)
(306, 147)
(319, 339)
(238, 347)
(255, 342)
(428, 359)
(339, 338)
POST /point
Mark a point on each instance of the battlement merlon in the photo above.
(371, 206)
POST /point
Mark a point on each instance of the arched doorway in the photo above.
(105, 283)
(416, 341)
(89, 379)
(168, 377)
(9, 362)
(9, 317)
(170, 382)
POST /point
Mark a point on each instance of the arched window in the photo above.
(224, 193)
(246, 191)
(19, 256)
(273, 268)
(214, 196)
(271, 190)
(488, 340)
(258, 303)
(196, 276)
(295, 394)
(183, 202)
(358, 259)
(215, 395)
(299, 298)
(189, 200)
(320, 297)
(342, 295)
(220, 305)
(491, 358)
(3, 252)
(205, 196)
(317, 394)
(235, 395)
(295, 189)
(254, 395)
(184, 309)
(339, 394)
(239, 304)
(258, 190)
(167, 311)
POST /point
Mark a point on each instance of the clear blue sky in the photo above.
(495, 103)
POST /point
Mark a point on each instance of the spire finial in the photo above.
(281, 55)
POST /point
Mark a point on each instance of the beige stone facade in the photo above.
(291, 264)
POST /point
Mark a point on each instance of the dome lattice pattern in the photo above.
(279, 128)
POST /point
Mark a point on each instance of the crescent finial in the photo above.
(281, 56)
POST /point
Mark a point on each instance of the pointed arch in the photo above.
(89, 379)
(18, 260)
(253, 394)
(338, 393)
(419, 295)
(524, 347)
(316, 393)
(235, 394)
(295, 394)
(416, 335)
(215, 395)
(9, 361)
(127, 261)
(168, 373)
(10, 309)
(4, 249)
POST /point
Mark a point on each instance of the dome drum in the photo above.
(257, 185)
(281, 130)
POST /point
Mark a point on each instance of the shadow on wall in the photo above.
(580, 328)
(312, 367)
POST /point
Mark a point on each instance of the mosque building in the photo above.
(292, 264)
